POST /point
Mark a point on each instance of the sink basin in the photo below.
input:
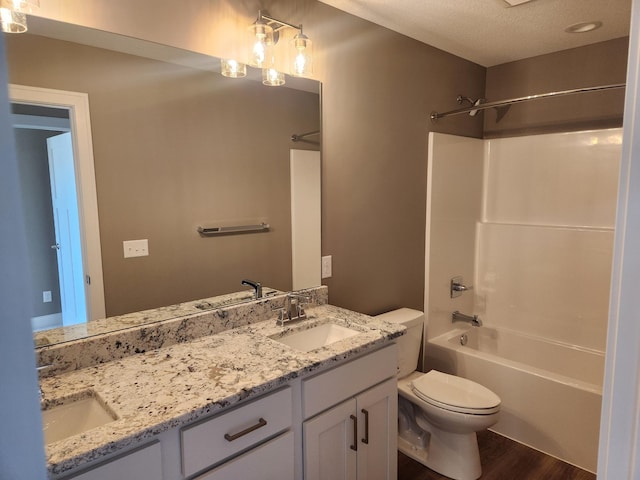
(75, 416)
(316, 337)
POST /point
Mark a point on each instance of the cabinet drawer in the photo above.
(211, 441)
(270, 461)
(329, 388)
(144, 463)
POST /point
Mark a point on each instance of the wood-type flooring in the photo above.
(502, 459)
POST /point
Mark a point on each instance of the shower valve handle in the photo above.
(457, 287)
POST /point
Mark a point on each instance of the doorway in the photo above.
(53, 139)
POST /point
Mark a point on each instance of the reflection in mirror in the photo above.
(174, 147)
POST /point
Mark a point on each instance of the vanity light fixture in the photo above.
(265, 33)
(13, 14)
(232, 68)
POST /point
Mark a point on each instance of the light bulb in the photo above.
(232, 68)
(301, 65)
(258, 54)
(272, 77)
(12, 22)
(261, 41)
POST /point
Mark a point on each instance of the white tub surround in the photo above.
(531, 228)
(172, 386)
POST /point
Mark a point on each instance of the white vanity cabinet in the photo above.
(243, 429)
(144, 463)
(270, 461)
(355, 439)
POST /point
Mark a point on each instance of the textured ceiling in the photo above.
(490, 32)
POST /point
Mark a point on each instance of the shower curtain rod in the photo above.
(297, 138)
(483, 106)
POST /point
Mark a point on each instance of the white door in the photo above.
(330, 443)
(67, 226)
(378, 437)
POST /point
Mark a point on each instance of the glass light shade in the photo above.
(272, 77)
(261, 43)
(12, 22)
(232, 68)
(13, 18)
(301, 56)
(23, 6)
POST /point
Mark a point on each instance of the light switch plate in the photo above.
(136, 248)
(326, 266)
(46, 296)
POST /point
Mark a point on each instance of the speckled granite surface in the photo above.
(157, 331)
(175, 385)
(144, 317)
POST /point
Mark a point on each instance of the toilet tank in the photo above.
(409, 343)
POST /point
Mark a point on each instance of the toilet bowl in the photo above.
(438, 414)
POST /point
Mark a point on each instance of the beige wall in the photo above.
(599, 64)
(378, 90)
(175, 148)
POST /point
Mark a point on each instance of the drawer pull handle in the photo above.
(365, 440)
(354, 446)
(230, 438)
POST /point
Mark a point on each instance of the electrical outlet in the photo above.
(326, 267)
(136, 248)
(46, 296)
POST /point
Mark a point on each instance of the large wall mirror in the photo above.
(175, 146)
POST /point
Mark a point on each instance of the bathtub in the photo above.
(551, 392)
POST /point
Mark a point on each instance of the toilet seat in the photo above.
(455, 393)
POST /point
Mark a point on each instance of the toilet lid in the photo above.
(455, 393)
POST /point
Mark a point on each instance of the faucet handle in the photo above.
(299, 299)
(282, 315)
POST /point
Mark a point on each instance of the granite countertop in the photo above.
(172, 386)
(129, 320)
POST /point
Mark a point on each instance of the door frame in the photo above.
(78, 105)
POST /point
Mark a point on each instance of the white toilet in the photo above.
(438, 414)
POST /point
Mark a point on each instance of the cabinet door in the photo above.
(271, 461)
(378, 437)
(330, 443)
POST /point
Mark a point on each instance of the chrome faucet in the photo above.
(461, 317)
(293, 308)
(257, 286)
(42, 368)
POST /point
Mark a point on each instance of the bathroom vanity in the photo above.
(240, 403)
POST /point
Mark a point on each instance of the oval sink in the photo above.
(316, 337)
(74, 416)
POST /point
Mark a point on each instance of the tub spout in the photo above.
(461, 317)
